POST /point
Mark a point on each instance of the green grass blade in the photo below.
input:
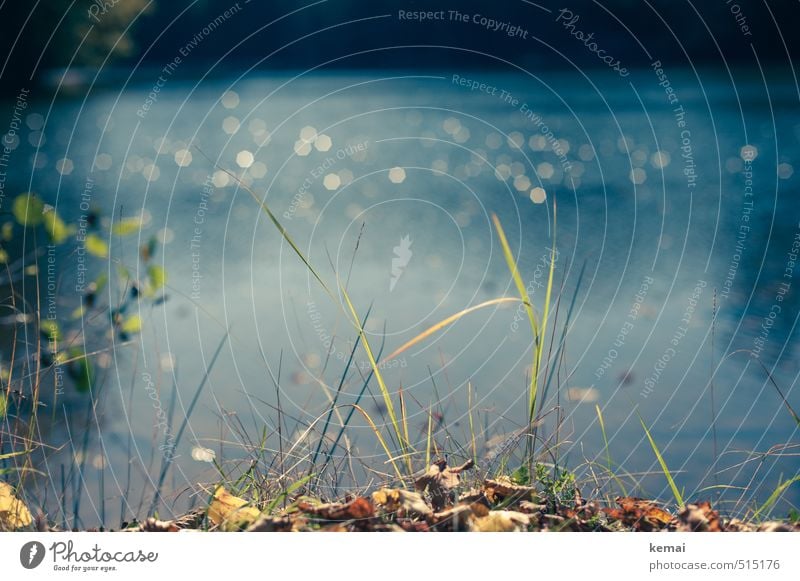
(272, 218)
(545, 315)
(387, 398)
(776, 494)
(523, 293)
(605, 438)
(294, 486)
(667, 474)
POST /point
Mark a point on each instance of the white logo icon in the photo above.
(402, 256)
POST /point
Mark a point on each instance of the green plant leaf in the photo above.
(521, 475)
(81, 370)
(55, 227)
(131, 325)
(158, 276)
(96, 246)
(127, 226)
(293, 487)
(50, 329)
(7, 231)
(28, 209)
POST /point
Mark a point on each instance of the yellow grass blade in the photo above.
(380, 439)
(444, 323)
(387, 398)
(404, 421)
(523, 293)
(428, 442)
(471, 426)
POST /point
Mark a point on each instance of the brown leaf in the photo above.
(699, 517)
(403, 502)
(529, 507)
(503, 489)
(270, 524)
(641, 514)
(231, 512)
(413, 526)
(776, 527)
(439, 481)
(502, 521)
(13, 512)
(152, 525)
(358, 508)
(454, 519)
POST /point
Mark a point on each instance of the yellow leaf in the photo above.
(27, 209)
(231, 512)
(158, 276)
(55, 227)
(132, 325)
(127, 226)
(502, 521)
(394, 499)
(96, 246)
(13, 512)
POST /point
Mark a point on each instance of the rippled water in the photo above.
(387, 183)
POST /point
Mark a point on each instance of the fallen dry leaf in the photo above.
(502, 521)
(440, 481)
(13, 512)
(272, 524)
(736, 525)
(152, 525)
(776, 527)
(231, 512)
(699, 518)
(641, 514)
(503, 489)
(456, 518)
(357, 509)
(403, 502)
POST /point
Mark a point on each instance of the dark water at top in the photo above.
(664, 216)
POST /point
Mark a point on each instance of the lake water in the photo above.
(667, 213)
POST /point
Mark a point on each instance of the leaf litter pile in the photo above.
(439, 502)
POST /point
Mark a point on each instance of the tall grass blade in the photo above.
(403, 414)
(387, 397)
(377, 433)
(471, 425)
(444, 323)
(166, 464)
(667, 474)
(358, 400)
(545, 314)
(776, 494)
(272, 218)
(338, 393)
(605, 438)
(430, 433)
